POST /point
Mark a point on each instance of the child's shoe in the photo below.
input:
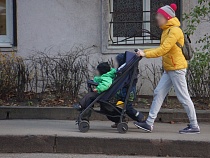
(77, 106)
(140, 117)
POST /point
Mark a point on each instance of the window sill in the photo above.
(6, 47)
(117, 49)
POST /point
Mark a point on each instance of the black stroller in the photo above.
(124, 77)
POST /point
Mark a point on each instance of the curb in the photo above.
(66, 113)
(108, 146)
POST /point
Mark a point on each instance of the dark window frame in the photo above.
(9, 40)
(15, 23)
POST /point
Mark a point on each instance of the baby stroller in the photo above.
(125, 76)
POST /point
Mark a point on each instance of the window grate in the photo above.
(132, 22)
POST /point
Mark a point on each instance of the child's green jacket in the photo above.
(105, 81)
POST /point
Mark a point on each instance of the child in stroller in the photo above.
(121, 95)
(104, 77)
(123, 86)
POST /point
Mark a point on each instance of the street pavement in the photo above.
(98, 129)
(65, 156)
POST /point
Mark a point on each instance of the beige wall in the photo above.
(60, 24)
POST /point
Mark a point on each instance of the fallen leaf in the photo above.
(172, 122)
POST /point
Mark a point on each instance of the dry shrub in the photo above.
(44, 78)
(12, 78)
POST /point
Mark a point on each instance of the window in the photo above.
(132, 22)
(6, 23)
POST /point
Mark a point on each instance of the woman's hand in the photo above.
(140, 53)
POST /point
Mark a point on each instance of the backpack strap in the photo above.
(179, 45)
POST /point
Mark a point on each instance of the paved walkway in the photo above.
(57, 136)
(98, 129)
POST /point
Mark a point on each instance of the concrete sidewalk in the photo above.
(57, 136)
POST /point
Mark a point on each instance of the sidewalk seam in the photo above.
(55, 144)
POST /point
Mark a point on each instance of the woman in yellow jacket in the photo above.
(174, 65)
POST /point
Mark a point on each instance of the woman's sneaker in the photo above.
(144, 126)
(190, 130)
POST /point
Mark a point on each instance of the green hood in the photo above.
(105, 81)
(111, 73)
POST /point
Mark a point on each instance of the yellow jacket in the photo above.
(173, 59)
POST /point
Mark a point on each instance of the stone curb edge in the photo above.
(108, 146)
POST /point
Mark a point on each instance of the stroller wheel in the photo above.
(84, 126)
(122, 127)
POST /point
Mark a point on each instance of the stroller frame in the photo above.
(122, 127)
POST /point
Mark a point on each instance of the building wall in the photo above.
(62, 24)
(202, 29)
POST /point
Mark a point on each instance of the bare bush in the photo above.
(12, 77)
(42, 76)
(62, 74)
(153, 74)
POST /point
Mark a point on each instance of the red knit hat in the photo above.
(168, 11)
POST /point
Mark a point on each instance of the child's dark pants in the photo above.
(86, 101)
(130, 111)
